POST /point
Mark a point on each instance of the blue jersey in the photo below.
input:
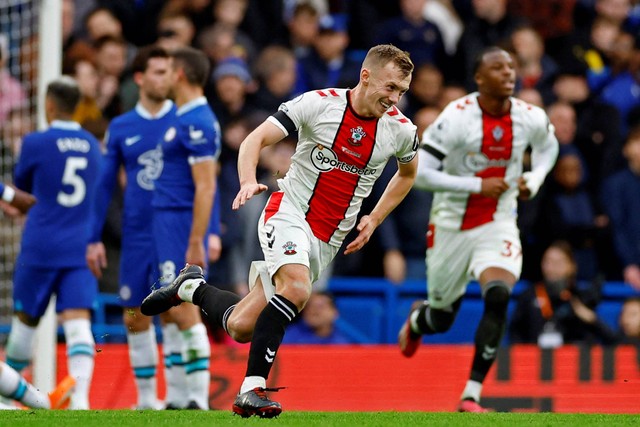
(132, 141)
(60, 167)
(194, 137)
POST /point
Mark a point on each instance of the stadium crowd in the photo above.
(578, 59)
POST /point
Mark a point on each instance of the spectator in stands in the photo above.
(621, 201)
(629, 321)
(304, 27)
(450, 92)
(232, 84)
(531, 96)
(317, 324)
(536, 69)
(556, 310)
(568, 211)
(426, 89)
(111, 61)
(12, 94)
(276, 73)
(175, 29)
(491, 24)
(221, 41)
(328, 65)
(413, 33)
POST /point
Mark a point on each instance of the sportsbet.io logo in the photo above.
(325, 159)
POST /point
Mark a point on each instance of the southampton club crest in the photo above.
(356, 136)
(289, 248)
(497, 132)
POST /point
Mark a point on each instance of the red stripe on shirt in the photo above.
(334, 189)
(497, 144)
(273, 205)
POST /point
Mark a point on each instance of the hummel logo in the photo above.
(270, 242)
(270, 232)
(489, 352)
(132, 140)
(270, 356)
(270, 236)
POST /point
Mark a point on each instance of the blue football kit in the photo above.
(132, 141)
(60, 167)
(194, 137)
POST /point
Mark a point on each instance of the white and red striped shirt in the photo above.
(472, 144)
(338, 157)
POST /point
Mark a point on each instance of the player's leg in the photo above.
(448, 259)
(496, 263)
(32, 290)
(135, 282)
(76, 293)
(14, 387)
(171, 230)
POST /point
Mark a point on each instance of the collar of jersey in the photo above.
(201, 100)
(65, 124)
(145, 114)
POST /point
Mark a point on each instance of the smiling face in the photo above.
(496, 75)
(384, 87)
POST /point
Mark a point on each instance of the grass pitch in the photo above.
(303, 419)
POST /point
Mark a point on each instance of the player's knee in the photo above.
(496, 297)
(240, 329)
(134, 321)
(440, 320)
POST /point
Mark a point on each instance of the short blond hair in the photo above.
(380, 55)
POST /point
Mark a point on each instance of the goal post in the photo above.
(49, 67)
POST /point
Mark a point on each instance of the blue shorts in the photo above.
(138, 271)
(74, 287)
(171, 229)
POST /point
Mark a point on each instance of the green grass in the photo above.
(303, 419)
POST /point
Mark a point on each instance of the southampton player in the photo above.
(60, 167)
(132, 142)
(345, 138)
(14, 386)
(472, 158)
(182, 206)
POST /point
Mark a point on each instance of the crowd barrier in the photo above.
(377, 378)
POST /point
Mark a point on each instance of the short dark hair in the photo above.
(382, 54)
(65, 93)
(144, 54)
(195, 64)
(479, 59)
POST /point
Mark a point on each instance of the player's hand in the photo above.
(395, 266)
(215, 247)
(524, 192)
(493, 187)
(96, 258)
(366, 227)
(247, 191)
(22, 200)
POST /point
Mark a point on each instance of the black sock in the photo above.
(215, 304)
(268, 335)
(490, 330)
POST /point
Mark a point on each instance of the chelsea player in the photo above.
(182, 203)
(132, 142)
(60, 167)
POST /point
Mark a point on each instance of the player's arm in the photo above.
(544, 152)
(268, 133)
(96, 253)
(396, 190)
(204, 179)
(17, 198)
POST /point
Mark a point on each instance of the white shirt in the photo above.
(470, 144)
(338, 157)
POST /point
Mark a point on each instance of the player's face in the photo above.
(385, 89)
(157, 79)
(496, 76)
